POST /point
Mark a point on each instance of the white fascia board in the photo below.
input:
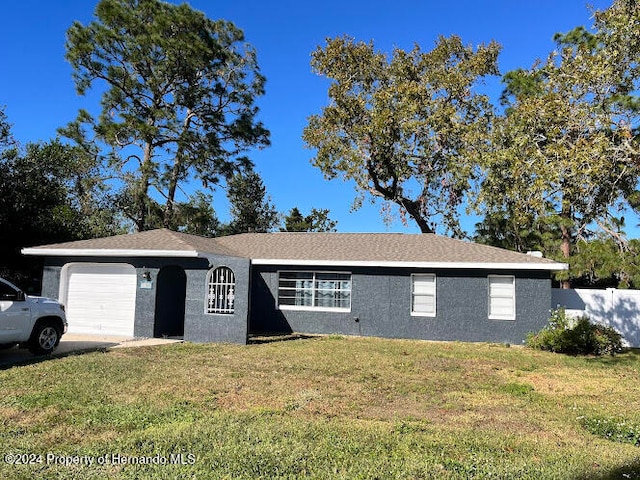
(88, 252)
(454, 265)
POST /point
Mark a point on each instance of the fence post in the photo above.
(611, 321)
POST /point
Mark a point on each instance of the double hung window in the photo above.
(423, 295)
(502, 297)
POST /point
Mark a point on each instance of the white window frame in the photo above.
(511, 295)
(418, 276)
(221, 282)
(313, 291)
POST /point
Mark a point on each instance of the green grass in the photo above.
(321, 408)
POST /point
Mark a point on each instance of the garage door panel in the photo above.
(101, 299)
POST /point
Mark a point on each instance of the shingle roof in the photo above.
(152, 241)
(377, 247)
(304, 248)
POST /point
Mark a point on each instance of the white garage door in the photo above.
(100, 298)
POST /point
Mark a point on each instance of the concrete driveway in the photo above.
(72, 344)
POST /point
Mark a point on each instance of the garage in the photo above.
(100, 299)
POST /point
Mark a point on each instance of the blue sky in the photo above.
(39, 95)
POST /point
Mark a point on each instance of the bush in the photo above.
(575, 336)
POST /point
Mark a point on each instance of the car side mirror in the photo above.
(20, 297)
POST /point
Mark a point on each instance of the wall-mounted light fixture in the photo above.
(145, 279)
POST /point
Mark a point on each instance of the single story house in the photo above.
(423, 286)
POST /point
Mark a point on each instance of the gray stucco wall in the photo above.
(198, 325)
(203, 327)
(381, 306)
(380, 302)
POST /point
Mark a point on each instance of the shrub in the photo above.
(577, 336)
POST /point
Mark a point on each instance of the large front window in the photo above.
(314, 290)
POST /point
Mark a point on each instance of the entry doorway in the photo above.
(171, 293)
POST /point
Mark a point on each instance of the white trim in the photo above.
(99, 252)
(454, 265)
(511, 316)
(312, 309)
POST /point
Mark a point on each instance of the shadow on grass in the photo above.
(629, 470)
(629, 357)
(261, 338)
(18, 357)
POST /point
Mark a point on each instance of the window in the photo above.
(314, 290)
(423, 295)
(8, 293)
(221, 285)
(502, 297)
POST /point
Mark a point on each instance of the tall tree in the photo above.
(251, 207)
(407, 129)
(565, 151)
(601, 262)
(316, 221)
(197, 216)
(6, 138)
(504, 229)
(178, 102)
(44, 192)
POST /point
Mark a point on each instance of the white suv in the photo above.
(36, 323)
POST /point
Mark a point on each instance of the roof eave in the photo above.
(554, 266)
(98, 252)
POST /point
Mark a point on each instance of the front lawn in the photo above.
(328, 407)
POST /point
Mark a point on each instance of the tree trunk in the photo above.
(565, 248)
(167, 221)
(175, 176)
(413, 209)
(565, 245)
(142, 194)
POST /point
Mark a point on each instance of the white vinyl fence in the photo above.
(619, 309)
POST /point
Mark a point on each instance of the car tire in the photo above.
(7, 346)
(44, 338)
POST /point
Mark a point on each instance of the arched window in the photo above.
(221, 287)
